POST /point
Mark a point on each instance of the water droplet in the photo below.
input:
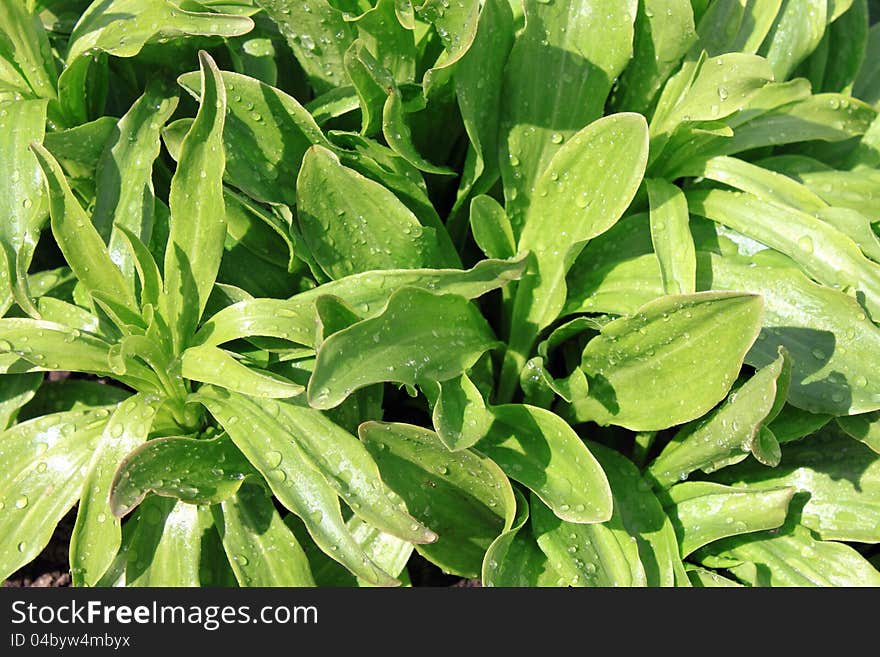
(273, 459)
(556, 138)
(22, 546)
(241, 560)
(21, 502)
(806, 244)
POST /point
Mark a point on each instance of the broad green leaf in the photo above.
(38, 345)
(864, 428)
(265, 135)
(16, 390)
(22, 202)
(479, 76)
(388, 41)
(855, 225)
(371, 82)
(704, 512)
(708, 89)
(419, 336)
(333, 104)
(198, 227)
(81, 147)
(79, 241)
(352, 224)
(795, 558)
(837, 60)
(124, 176)
(462, 496)
(456, 25)
(737, 25)
(491, 227)
(514, 558)
(588, 555)
(793, 423)
(97, 534)
(729, 432)
(585, 189)
(166, 548)
(671, 236)
(540, 111)
(318, 35)
(193, 471)
(460, 416)
(291, 476)
(100, 27)
(867, 82)
(640, 368)
(664, 32)
(841, 476)
(261, 548)
(368, 293)
(44, 453)
(766, 185)
(797, 31)
(25, 56)
(398, 135)
(541, 451)
(823, 252)
(827, 334)
(348, 468)
(643, 518)
(212, 365)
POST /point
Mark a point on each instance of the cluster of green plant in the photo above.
(552, 292)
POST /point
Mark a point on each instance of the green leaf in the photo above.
(195, 243)
(25, 56)
(644, 518)
(100, 28)
(79, 241)
(584, 190)
(703, 578)
(864, 428)
(318, 35)
(729, 432)
(261, 548)
(541, 451)
(212, 365)
(479, 78)
(45, 453)
(266, 134)
(352, 224)
(464, 497)
(125, 196)
(664, 32)
(71, 395)
(841, 476)
(388, 41)
(827, 334)
(797, 31)
(296, 318)
(22, 202)
(671, 236)
(348, 468)
(491, 227)
(822, 251)
(795, 558)
(737, 25)
(96, 534)
(16, 390)
(166, 547)
(514, 558)
(588, 555)
(47, 345)
(396, 130)
(640, 368)
(190, 470)
(81, 146)
(587, 44)
(704, 512)
(867, 82)
(460, 416)
(847, 38)
(419, 336)
(292, 477)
